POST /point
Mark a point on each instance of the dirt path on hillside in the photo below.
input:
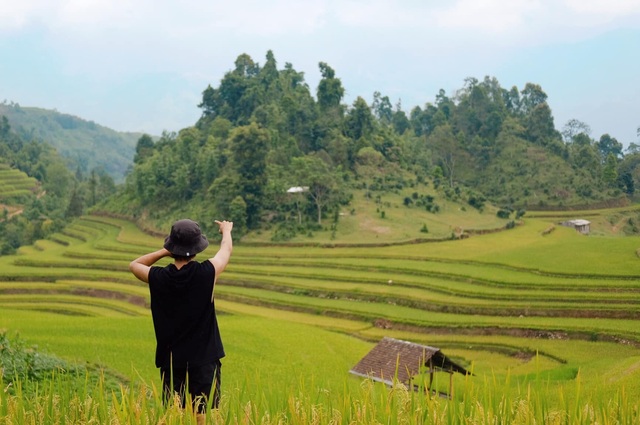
(11, 211)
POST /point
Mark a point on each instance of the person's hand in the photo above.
(225, 226)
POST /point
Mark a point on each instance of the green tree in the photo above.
(512, 101)
(610, 170)
(609, 145)
(532, 97)
(369, 164)
(238, 93)
(585, 157)
(399, 120)
(322, 182)
(573, 128)
(222, 191)
(58, 179)
(238, 214)
(76, 204)
(92, 187)
(447, 150)
(330, 90)
(359, 122)
(539, 125)
(382, 108)
(249, 147)
(144, 148)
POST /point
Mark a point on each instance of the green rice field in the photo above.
(548, 317)
(14, 183)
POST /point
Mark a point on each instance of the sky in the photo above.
(141, 65)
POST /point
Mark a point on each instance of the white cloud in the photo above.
(490, 16)
(14, 15)
(522, 23)
(258, 17)
(380, 14)
(96, 14)
(68, 14)
(608, 9)
(250, 17)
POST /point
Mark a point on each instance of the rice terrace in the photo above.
(546, 321)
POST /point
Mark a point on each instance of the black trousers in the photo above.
(200, 382)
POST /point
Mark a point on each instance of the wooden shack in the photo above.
(393, 359)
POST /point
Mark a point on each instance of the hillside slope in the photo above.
(86, 143)
(264, 131)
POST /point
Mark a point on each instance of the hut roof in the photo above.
(579, 222)
(393, 358)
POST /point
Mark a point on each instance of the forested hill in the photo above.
(86, 144)
(39, 194)
(263, 130)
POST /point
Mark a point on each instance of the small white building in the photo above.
(581, 226)
(298, 189)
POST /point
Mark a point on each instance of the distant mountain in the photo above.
(85, 143)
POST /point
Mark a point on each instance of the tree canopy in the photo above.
(262, 130)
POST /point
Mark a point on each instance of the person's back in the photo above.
(184, 317)
(189, 347)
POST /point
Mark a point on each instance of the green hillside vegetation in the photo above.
(513, 306)
(83, 143)
(38, 192)
(446, 165)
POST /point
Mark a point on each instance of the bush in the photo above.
(503, 213)
(476, 201)
(284, 231)
(22, 362)
(30, 368)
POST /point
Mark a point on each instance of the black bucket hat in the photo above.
(186, 239)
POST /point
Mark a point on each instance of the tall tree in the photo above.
(447, 151)
(330, 90)
(609, 145)
(144, 148)
(369, 164)
(399, 119)
(249, 146)
(610, 170)
(572, 128)
(540, 126)
(382, 108)
(359, 122)
(323, 184)
(531, 97)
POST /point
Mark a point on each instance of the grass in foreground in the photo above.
(274, 402)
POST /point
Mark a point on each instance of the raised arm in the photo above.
(140, 266)
(221, 259)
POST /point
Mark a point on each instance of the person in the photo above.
(188, 343)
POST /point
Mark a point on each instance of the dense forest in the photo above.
(263, 132)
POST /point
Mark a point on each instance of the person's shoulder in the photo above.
(207, 264)
(155, 271)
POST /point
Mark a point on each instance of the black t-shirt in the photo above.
(184, 318)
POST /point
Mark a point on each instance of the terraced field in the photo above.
(14, 183)
(516, 303)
